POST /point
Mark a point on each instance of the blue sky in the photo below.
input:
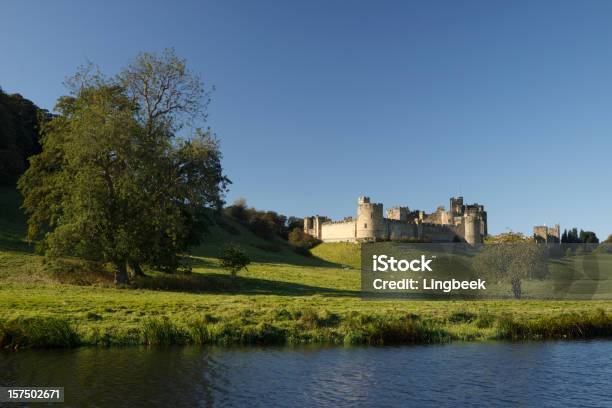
(316, 103)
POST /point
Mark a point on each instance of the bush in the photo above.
(298, 238)
(234, 259)
(238, 210)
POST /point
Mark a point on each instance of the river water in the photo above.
(492, 374)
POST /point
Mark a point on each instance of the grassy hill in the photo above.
(225, 230)
(283, 298)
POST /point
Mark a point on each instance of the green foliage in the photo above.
(572, 236)
(19, 134)
(37, 332)
(298, 238)
(596, 323)
(507, 238)
(113, 183)
(485, 319)
(234, 259)
(462, 317)
(588, 237)
(264, 224)
(161, 331)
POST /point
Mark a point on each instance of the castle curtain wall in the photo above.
(401, 230)
(338, 231)
(440, 233)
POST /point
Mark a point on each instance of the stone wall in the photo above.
(401, 230)
(338, 231)
(440, 233)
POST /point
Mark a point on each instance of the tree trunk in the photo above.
(516, 288)
(121, 274)
(137, 269)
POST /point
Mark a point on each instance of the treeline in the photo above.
(572, 236)
(19, 134)
(268, 224)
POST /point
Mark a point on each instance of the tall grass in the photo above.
(307, 326)
(38, 332)
(564, 326)
(161, 331)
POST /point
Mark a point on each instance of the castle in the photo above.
(544, 234)
(462, 223)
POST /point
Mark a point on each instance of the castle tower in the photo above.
(472, 229)
(456, 206)
(370, 221)
(312, 225)
(398, 213)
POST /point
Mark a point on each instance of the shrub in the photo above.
(234, 259)
(238, 210)
(298, 238)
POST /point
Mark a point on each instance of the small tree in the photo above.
(512, 262)
(234, 259)
(588, 237)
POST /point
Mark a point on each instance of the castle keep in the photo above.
(462, 223)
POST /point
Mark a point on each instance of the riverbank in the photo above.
(68, 316)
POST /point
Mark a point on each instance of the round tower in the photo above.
(472, 229)
(370, 221)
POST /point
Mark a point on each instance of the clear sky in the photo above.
(318, 102)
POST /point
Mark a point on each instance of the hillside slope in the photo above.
(225, 231)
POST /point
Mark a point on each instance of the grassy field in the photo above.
(283, 298)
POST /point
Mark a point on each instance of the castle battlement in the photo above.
(463, 222)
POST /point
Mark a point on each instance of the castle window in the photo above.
(365, 225)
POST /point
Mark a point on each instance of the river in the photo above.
(492, 374)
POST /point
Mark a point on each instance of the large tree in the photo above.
(114, 183)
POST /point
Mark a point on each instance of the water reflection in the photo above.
(498, 374)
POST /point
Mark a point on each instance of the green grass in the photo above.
(283, 298)
(342, 253)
